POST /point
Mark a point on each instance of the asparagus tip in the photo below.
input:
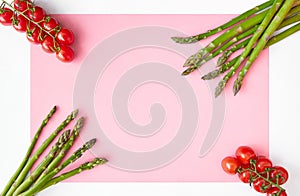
(79, 123)
(237, 86)
(221, 60)
(74, 113)
(101, 160)
(64, 138)
(192, 60)
(91, 143)
(90, 165)
(219, 88)
(184, 40)
(211, 75)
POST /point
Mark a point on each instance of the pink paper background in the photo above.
(245, 123)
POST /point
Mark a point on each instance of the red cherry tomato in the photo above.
(22, 5)
(246, 176)
(275, 191)
(230, 165)
(36, 13)
(65, 37)
(262, 163)
(244, 154)
(50, 24)
(20, 23)
(279, 174)
(65, 54)
(260, 185)
(6, 16)
(48, 45)
(35, 35)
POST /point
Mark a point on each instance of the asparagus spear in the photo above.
(29, 151)
(36, 187)
(194, 59)
(294, 10)
(264, 24)
(229, 34)
(273, 40)
(243, 16)
(283, 35)
(226, 54)
(233, 41)
(39, 151)
(262, 42)
(290, 20)
(224, 67)
(220, 50)
(64, 149)
(41, 167)
(82, 168)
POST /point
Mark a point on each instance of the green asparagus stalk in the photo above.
(229, 34)
(41, 167)
(82, 168)
(294, 10)
(290, 20)
(231, 23)
(224, 67)
(273, 40)
(195, 60)
(226, 54)
(221, 49)
(243, 16)
(283, 35)
(222, 59)
(38, 185)
(262, 42)
(39, 151)
(226, 46)
(64, 150)
(29, 151)
(270, 14)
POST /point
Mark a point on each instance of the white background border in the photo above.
(15, 99)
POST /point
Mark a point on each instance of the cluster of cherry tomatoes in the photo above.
(40, 28)
(256, 170)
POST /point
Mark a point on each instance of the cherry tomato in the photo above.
(22, 5)
(65, 54)
(48, 45)
(274, 191)
(262, 163)
(20, 23)
(35, 35)
(245, 176)
(230, 165)
(36, 13)
(65, 37)
(244, 154)
(260, 185)
(6, 16)
(50, 24)
(280, 174)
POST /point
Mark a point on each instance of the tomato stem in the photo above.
(24, 15)
(259, 175)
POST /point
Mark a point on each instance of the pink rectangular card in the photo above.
(151, 123)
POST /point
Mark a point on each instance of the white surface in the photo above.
(284, 100)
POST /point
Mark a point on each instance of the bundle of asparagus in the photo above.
(24, 183)
(245, 36)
